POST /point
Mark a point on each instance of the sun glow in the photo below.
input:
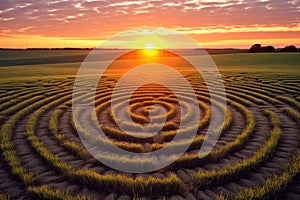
(150, 41)
(149, 46)
(150, 49)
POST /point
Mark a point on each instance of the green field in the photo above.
(20, 64)
(256, 157)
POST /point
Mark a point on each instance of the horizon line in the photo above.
(115, 48)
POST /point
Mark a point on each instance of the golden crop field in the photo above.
(257, 155)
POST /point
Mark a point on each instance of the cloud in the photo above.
(141, 11)
(127, 3)
(172, 4)
(233, 29)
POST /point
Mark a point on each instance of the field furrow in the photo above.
(43, 155)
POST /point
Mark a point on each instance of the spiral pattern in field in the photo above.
(42, 155)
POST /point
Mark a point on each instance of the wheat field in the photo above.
(257, 155)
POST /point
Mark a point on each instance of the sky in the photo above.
(87, 23)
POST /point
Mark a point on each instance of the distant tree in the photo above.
(255, 48)
(258, 48)
(269, 48)
(290, 48)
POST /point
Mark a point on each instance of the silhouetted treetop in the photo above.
(258, 48)
(290, 48)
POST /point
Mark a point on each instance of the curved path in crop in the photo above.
(43, 156)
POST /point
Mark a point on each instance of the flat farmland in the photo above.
(257, 155)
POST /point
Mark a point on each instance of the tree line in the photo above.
(256, 48)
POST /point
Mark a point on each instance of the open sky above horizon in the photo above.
(86, 23)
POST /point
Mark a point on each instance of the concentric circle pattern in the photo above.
(256, 156)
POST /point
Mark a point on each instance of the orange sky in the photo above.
(212, 23)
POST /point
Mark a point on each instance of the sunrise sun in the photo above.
(150, 49)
